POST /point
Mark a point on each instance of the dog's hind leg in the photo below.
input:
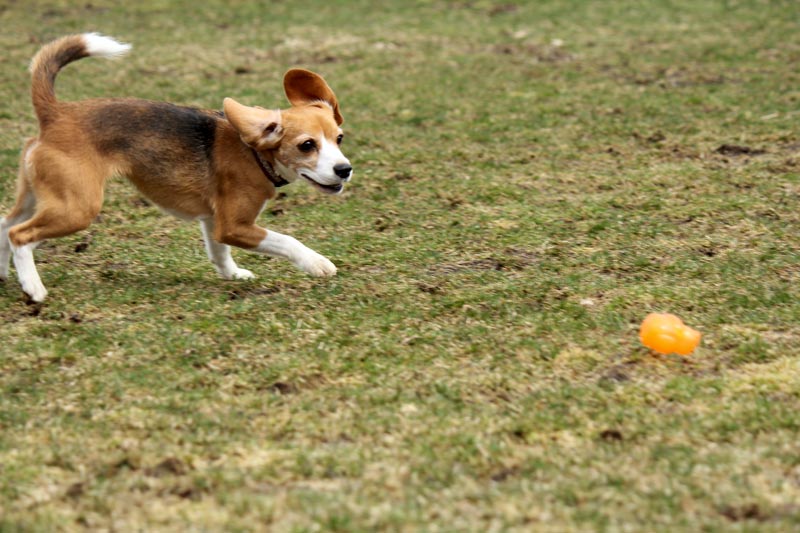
(66, 201)
(220, 254)
(27, 274)
(23, 210)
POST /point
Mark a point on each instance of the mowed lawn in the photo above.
(531, 180)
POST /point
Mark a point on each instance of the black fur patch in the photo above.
(146, 129)
(69, 54)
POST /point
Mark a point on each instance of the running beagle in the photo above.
(218, 168)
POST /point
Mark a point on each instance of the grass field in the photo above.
(531, 179)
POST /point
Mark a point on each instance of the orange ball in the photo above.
(666, 333)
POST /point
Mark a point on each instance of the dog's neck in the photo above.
(269, 171)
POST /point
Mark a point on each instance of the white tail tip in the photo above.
(102, 46)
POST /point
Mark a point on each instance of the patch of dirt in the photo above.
(170, 466)
(187, 492)
(125, 463)
(611, 435)
(615, 374)
(84, 244)
(739, 513)
(75, 491)
(652, 139)
(708, 250)
(736, 150)
(677, 152)
(283, 388)
(505, 473)
(430, 288)
(403, 176)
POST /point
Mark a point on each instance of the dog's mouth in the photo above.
(329, 189)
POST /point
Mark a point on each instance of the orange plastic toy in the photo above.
(665, 333)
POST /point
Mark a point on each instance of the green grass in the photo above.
(532, 178)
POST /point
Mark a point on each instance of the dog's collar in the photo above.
(266, 167)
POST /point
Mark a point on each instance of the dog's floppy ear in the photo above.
(305, 87)
(258, 127)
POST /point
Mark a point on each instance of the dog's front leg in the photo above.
(220, 254)
(306, 259)
(257, 239)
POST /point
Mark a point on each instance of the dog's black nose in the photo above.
(343, 170)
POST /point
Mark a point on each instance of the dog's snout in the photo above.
(343, 170)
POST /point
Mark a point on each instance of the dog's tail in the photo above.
(55, 55)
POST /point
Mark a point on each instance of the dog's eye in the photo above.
(339, 139)
(307, 146)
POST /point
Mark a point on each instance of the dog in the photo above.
(215, 167)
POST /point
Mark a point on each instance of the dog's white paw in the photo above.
(35, 290)
(316, 265)
(241, 273)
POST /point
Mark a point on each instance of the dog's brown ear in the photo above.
(259, 128)
(305, 87)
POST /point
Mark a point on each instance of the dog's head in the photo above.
(303, 140)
